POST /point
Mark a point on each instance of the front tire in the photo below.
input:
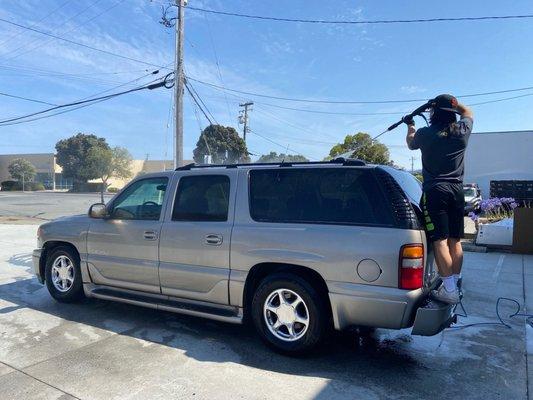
(289, 314)
(63, 275)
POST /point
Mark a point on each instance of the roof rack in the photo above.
(340, 160)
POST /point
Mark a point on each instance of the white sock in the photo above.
(449, 283)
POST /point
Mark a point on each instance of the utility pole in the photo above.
(179, 85)
(413, 164)
(243, 117)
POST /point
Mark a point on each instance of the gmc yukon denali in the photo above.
(295, 248)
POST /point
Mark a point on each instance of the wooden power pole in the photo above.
(179, 85)
(243, 118)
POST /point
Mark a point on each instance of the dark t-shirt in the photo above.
(443, 151)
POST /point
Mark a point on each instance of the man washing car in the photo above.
(443, 145)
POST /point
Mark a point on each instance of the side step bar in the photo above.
(161, 302)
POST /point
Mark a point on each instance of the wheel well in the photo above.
(48, 247)
(261, 271)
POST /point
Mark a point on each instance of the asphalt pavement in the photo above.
(103, 350)
(36, 207)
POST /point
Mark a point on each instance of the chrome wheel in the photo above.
(286, 315)
(62, 273)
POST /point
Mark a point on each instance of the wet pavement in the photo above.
(103, 350)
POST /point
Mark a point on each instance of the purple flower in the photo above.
(473, 216)
(513, 205)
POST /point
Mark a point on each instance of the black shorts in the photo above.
(443, 206)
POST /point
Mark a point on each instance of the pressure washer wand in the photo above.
(408, 117)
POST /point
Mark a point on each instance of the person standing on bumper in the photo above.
(443, 145)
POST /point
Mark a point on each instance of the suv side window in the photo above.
(344, 196)
(142, 200)
(202, 198)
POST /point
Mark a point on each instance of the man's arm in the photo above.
(464, 111)
(410, 138)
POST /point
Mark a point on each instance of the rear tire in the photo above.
(289, 314)
(63, 275)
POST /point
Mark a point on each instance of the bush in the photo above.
(34, 186)
(113, 190)
(11, 185)
(86, 187)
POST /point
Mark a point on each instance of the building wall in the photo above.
(44, 163)
(498, 156)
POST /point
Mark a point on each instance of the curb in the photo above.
(472, 248)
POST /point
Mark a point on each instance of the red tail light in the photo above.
(411, 266)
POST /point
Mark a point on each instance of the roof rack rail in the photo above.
(338, 160)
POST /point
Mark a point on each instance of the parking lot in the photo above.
(36, 207)
(104, 350)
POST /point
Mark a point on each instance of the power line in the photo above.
(162, 82)
(80, 44)
(362, 22)
(197, 103)
(9, 39)
(27, 99)
(55, 28)
(276, 143)
(201, 101)
(351, 101)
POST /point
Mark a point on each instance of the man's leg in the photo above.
(443, 257)
(456, 251)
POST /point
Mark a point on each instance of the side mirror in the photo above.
(98, 210)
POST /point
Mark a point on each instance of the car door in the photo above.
(195, 237)
(123, 248)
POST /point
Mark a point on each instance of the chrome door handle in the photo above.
(150, 235)
(214, 240)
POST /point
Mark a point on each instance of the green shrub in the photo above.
(34, 186)
(86, 187)
(113, 190)
(11, 185)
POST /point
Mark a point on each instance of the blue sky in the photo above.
(312, 61)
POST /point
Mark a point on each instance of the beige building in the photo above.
(49, 173)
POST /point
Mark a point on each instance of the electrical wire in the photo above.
(10, 38)
(84, 23)
(197, 96)
(286, 148)
(27, 99)
(349, 101)
(12, 121)
(80, 44)
(197, 103)
(24, 45)
(362, 22)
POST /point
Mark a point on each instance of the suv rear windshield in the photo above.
(345, 196)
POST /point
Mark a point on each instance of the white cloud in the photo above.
(411, 89)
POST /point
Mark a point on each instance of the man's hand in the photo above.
(464, 111)
(411, 130)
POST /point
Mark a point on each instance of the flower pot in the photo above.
(523, 231)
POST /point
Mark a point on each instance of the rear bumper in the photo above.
(432, 317)
(36, 257)
(382, 307)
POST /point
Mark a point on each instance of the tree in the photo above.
(22, 170)
(72, 156)
(109, 163)
(223, 144)
(274, 157)
(362, 147)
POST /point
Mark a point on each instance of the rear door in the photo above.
(195, 237)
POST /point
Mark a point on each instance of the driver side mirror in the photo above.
(98, 210)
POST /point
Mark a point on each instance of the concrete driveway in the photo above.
(103, 350)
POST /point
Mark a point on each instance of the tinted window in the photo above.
(410, 185)
(141, 200)
(317, 195)
(202, 198)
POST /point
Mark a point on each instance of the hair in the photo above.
(442, 117)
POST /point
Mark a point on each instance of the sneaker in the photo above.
(443, 295)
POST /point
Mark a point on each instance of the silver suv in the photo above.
(294, 247)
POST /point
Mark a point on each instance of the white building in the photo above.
(498, 156)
